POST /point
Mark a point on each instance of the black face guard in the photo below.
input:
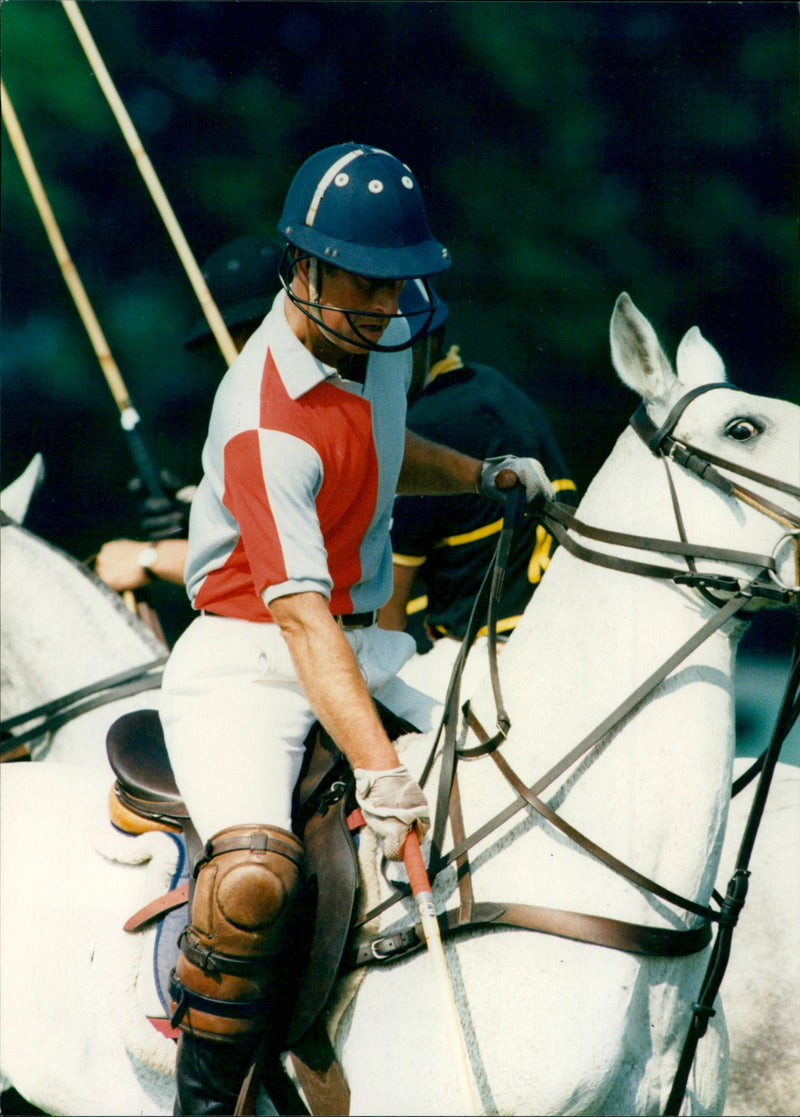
(287, 266)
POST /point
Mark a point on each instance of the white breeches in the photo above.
(235, 718)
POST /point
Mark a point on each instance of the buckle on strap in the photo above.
(387, 948)
(356, 620)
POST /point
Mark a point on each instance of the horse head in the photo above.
(744, 450)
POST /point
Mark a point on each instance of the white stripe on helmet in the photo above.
(326, 180)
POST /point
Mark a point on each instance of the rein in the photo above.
(59, 711)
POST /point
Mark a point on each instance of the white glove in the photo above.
(530, 472)
(392, 802)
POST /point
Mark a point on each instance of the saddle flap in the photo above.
(332, 884)
(332, 863)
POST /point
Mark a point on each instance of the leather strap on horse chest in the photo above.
(596, 930)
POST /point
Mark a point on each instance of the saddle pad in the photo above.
(161, 953)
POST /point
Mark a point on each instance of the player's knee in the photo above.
(247, 884)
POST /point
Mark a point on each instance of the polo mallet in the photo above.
(421, 888)
(129, 417)
(209, 307)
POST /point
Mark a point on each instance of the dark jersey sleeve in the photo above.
(478, 411)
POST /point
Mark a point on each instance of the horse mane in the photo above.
(112, 599)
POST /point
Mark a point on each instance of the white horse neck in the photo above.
(62, 627)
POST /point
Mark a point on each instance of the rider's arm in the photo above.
(332, 681)
(429, 467)
(390, 799)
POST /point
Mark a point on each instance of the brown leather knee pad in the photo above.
(230, 974)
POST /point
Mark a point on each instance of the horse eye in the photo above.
(741, 430)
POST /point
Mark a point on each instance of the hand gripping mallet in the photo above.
(421, 888)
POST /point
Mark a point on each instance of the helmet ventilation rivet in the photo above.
(375, 186)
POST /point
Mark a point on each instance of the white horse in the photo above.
(552, 1025)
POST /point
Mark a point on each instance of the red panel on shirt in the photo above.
(338, 425)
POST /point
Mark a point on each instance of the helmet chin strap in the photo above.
(313, 303)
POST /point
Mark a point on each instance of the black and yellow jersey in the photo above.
(451, 539)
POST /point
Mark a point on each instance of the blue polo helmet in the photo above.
(359, 208)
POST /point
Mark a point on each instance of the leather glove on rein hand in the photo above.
(392, 802)
(529, 471)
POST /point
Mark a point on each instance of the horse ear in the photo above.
(698, 361)
(17, 495)
(636, 353)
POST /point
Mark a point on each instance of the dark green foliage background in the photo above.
(567, 151)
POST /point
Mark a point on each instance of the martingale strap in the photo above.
(529, 796)
(725, 613)
(703, 1008)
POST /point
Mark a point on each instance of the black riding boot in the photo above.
(209, 1075)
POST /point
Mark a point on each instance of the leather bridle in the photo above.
(660, 441)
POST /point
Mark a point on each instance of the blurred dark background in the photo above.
(567, 151)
